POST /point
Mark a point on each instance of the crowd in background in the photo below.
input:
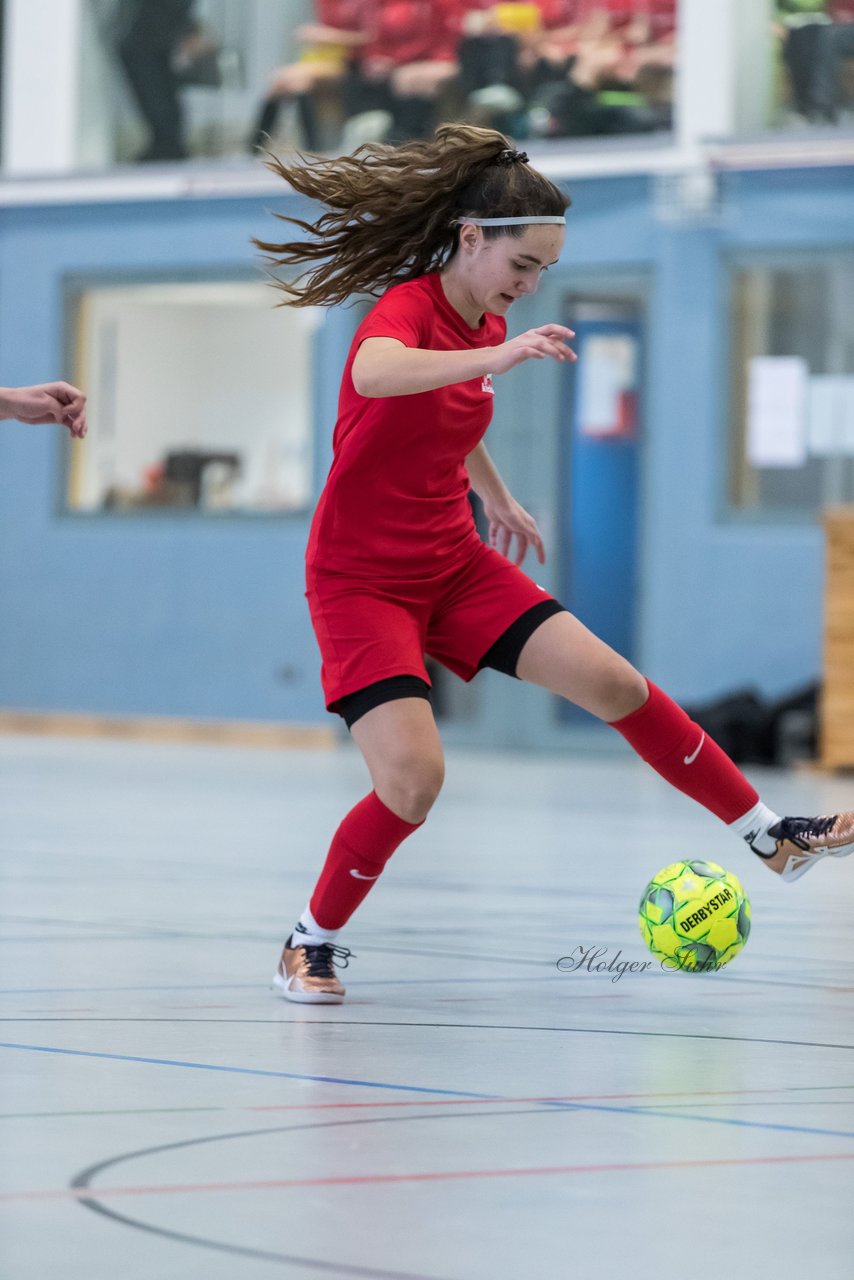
(546, 68)
(389, 70)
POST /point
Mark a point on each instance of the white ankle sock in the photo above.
(310, 933)
(753, 828)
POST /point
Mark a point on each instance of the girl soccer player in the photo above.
(454, 231)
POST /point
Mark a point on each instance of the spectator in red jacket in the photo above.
(411, 50)
(588, 49)
(616, 35)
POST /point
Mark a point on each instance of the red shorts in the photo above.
(371, 629)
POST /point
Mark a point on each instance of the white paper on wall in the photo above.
(607, 372)
(830, 431)
(777, 392)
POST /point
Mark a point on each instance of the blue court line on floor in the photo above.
(245, 1071)
(669, 1115)
(556, 1105)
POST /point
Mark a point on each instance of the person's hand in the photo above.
(480, 22)
(535, 344)
(377, 68)
(48, 402)
(315, 33)
(509, 520)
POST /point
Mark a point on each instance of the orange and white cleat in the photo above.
(307, 974)
(802, 842)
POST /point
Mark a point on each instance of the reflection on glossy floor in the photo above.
(470, 1113)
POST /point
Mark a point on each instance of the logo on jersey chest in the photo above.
(486, 384)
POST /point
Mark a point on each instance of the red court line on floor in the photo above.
(567, 1098)
(377, 1179)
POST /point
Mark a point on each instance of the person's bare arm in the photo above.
(507, 518)
(387, 367)
(46, 402)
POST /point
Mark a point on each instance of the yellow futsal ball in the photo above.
(694, 916)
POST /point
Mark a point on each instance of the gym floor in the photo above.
(471, 1112)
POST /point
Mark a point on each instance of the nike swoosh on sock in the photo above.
(359, 876)
(690, 759)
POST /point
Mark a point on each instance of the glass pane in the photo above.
(166, 79)
(199, 399)
(541, 69)
(792, 386)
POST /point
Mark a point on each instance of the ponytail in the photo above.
(391, 210)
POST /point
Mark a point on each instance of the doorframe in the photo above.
(506, 713)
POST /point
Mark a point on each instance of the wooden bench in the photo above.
(837, 703)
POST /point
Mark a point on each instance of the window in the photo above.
(199, 399)
(160, 80)
(792, 385)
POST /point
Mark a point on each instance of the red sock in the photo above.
(360, 848)
(664, 736)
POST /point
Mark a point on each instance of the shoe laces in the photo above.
(321, 960)
(806, 828)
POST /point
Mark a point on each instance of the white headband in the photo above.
(513, 222)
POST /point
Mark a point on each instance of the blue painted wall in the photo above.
(172, 615)
(190, 616)
(726, 601)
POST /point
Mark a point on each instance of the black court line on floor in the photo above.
(444, 1026)
(83, 1180)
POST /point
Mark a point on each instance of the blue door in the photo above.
(599, 523)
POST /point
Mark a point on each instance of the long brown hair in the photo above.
(391, 210)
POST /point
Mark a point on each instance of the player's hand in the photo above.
(549, 340)
(49, 402)
(509, 521)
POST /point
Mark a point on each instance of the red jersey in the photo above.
(661, 13)
(395, 504)
(402, 30)
(345, 15)
(407, 31)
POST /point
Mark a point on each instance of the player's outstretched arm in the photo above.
(535, 344)
(507, 518)
(386, 367)
(46, 402)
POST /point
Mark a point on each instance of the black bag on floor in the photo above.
(753, 730)
(739, 725)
